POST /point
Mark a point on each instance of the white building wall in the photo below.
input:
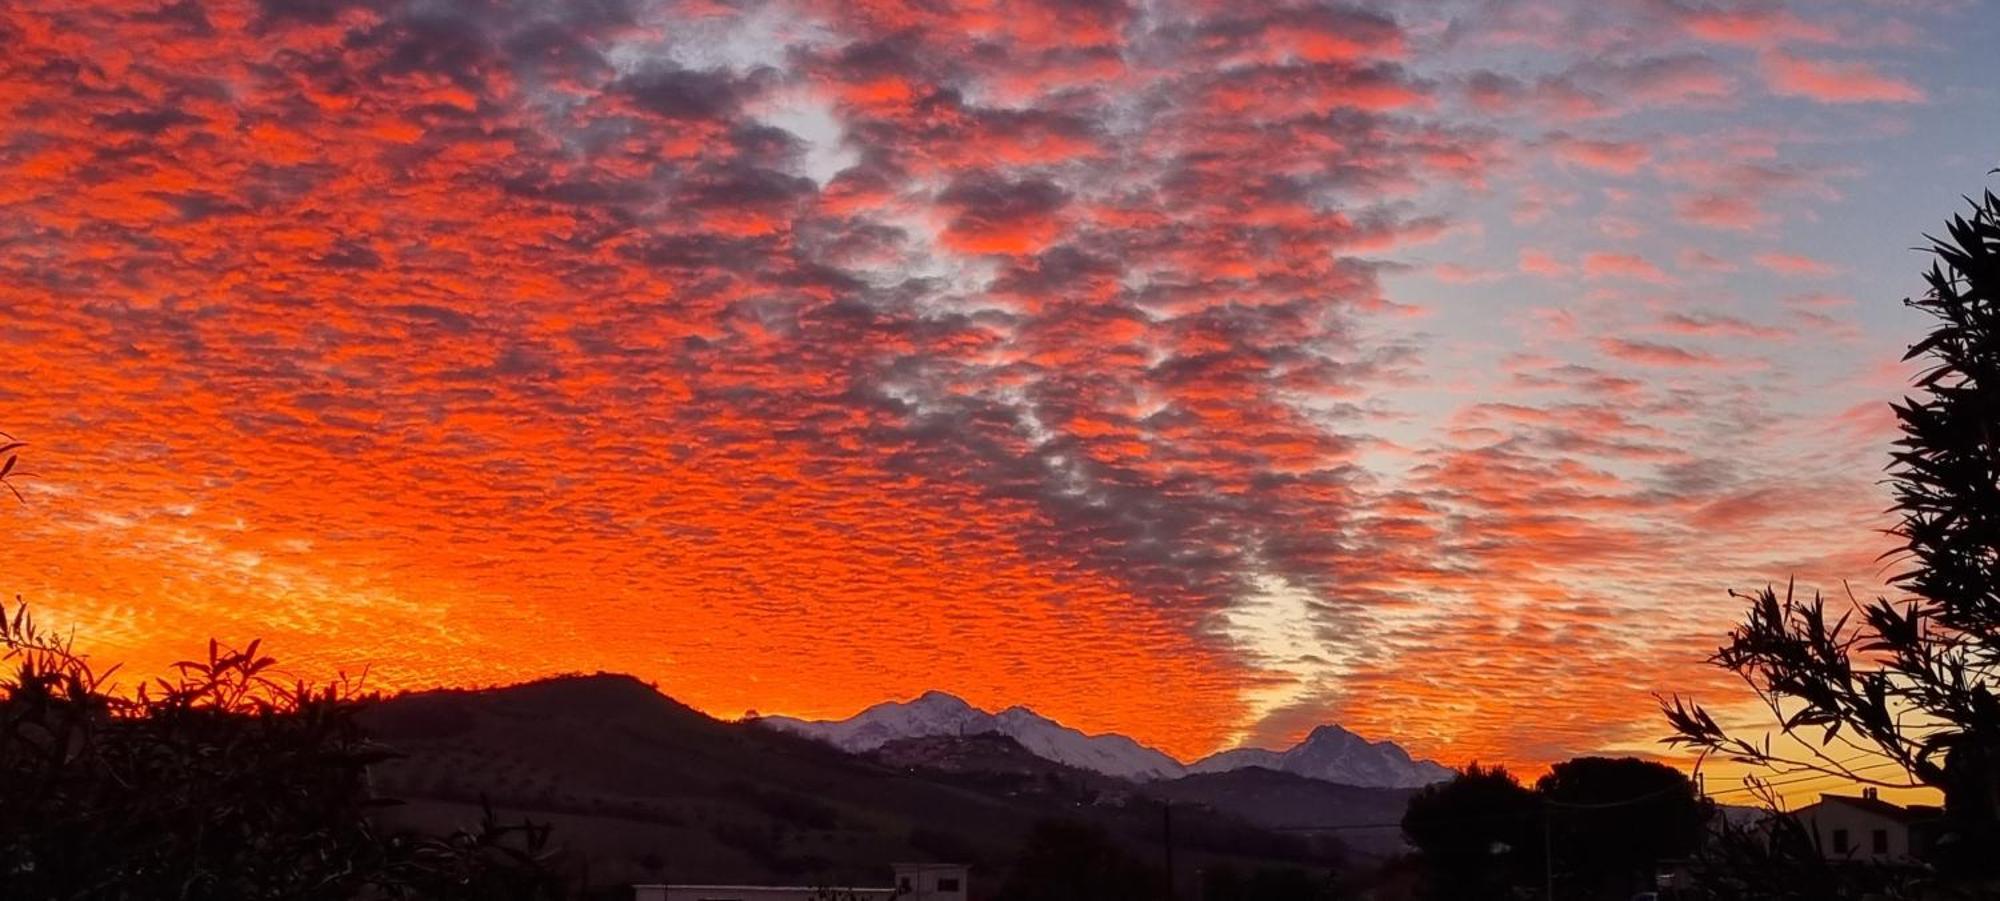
(913, 882)
(930, 882)
(1827, 819)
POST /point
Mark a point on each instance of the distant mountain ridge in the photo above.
(641, 788)
(937, 713)
(1329, 753)
(1333, 754)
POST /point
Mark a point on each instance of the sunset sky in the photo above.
(1202, 371)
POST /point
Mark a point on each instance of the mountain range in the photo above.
(641, 788)
(1329, 753)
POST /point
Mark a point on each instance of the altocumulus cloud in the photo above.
(1039, 351)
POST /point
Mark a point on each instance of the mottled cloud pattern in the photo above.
(1200, 371)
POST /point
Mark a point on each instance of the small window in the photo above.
(903, 884)
(947, 884)
(1840, 845)
(1881, 839)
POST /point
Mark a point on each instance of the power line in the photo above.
(1543, 805)
(1639, 799)
(1809, 777)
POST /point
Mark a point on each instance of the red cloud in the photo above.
(1535, 262)
(1721, 211)
(1873, 421)
(1458, 274)
(1834, 82)
(1796, 265)
(1736, 189)
(1598, 89)
(1717, 325)
(1327, 34)
(1288, 91)
(1766, 27)
(1649, 353)
(1623, 265)
(1704, 261)
(1617, 157)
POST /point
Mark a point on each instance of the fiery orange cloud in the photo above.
(798, 355)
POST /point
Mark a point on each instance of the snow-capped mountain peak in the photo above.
(1236, 759)
(1329, 752)
(1334, 754)
(939, 713)
(939, 699)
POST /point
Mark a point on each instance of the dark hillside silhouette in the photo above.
(231, 784)
(1362, 819)
(216, 782)
(647, 789)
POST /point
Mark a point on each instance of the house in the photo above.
(1867, 828)
(912, 882)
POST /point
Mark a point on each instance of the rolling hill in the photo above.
(641, 788)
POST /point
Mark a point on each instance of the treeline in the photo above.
(1591, 828)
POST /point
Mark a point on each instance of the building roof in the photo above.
(1877, 806)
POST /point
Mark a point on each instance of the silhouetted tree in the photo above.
(1064, 860)
(1611, 821)
(1224, 882)
(1911, 685)
(217, 782)
(10, 459)
(1478, 835)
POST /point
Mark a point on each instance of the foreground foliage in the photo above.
(1477, 835)
(1593, 827)
(1067, 860)
(219, 782)
(1905, 696)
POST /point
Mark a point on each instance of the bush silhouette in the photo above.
(219, 782)
(1063, 860)
(1478, 834)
